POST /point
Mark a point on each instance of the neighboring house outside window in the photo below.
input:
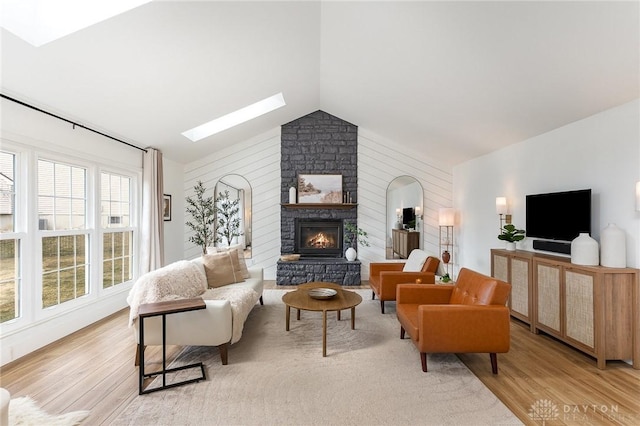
(10, 259)
(117, 233)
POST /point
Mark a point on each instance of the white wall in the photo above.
(173, 181)
(380, 161)
(601, 152)
(258, 161)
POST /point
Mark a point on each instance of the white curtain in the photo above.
(152, 225)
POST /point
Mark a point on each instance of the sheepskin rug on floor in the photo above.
(24, 411)
(275, 377)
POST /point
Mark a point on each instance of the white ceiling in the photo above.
(452, 80)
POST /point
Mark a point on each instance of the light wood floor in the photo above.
(93, 369)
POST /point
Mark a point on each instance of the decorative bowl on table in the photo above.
(322, 293)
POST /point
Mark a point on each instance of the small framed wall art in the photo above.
(166, 207)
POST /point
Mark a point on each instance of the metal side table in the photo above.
(148, 310)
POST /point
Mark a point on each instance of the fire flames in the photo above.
(320, 240)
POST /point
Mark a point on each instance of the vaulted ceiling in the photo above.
(449, 80)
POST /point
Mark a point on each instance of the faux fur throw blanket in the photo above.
(179, 280)
(242, 300)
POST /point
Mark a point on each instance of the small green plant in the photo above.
(202, 211)
(511, 234)
(445, 278)
(354, 235)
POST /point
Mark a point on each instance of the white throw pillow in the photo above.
(416, 260)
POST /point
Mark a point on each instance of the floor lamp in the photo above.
(446, 220)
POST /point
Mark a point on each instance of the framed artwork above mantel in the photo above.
(320, 189)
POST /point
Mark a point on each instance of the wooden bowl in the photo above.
(290, 257)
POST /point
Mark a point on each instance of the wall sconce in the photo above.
(418, 211)
(502, 209)
(638, 196)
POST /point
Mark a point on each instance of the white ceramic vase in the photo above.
(292, 195)
(511, 246)
(613, 251)
(351, 254)
(584, 250)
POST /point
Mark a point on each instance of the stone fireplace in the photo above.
(318, 143)
(318, 237)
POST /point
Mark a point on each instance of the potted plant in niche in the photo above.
(352, 237)
(202, 211)
(511, 235)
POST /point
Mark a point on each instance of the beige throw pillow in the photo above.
(240, 253)
(222, 269)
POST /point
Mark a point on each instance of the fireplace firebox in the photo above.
(318, 237)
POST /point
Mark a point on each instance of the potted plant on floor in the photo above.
(352, 237)
(511, 235)
(202, 211)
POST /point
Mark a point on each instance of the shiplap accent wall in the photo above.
(379, 162)
(258, 161)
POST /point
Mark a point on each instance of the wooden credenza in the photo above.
(403, 242)
(516, 268)
(592, 308)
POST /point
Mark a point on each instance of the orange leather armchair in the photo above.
(468, 317)
(385, 277)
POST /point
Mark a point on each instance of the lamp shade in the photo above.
(638, 196)
(446, 216)
(501, 205)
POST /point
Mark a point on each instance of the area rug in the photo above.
(25, 412)
(274, 377)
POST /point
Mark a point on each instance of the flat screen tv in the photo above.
(558, 215)
(408, 215)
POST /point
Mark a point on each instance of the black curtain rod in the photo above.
(69, 121)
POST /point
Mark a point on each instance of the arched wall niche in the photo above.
(402, 192)
(239, 189)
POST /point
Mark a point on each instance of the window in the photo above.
(10, 264)
(62, 213)
(68, 234)
(62, 196)
(117, 236)
(64, 269)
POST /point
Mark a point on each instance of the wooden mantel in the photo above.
(319, 205)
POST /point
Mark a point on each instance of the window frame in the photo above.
(18, 233)
(31, 237)
(46, 312)
(134, 210)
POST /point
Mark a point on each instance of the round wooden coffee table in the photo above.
(301, 300)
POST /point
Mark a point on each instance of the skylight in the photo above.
(41, 21)
(234, 118)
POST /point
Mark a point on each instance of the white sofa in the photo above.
(220, 324)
